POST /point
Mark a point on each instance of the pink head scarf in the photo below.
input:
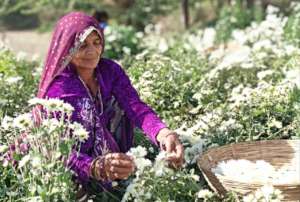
(70, 32)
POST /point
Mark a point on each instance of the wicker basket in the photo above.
(276, 152)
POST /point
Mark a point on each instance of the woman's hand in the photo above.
(170, 142)
(113, 166)
(118, 166)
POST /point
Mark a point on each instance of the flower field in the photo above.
(211, 93)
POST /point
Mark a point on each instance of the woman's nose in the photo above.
(91, 50)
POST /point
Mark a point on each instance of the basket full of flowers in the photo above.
(249, 166)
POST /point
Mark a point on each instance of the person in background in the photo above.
(102, 18)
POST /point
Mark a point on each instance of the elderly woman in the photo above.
(105, 103)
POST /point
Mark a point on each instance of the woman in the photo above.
(105, 103)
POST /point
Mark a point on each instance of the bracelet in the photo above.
(92, 167)
(97, 168)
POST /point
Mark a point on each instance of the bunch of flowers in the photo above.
(18, 80)
(157, 182)
(34, 155)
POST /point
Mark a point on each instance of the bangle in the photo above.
(97, 169)
(92, 170)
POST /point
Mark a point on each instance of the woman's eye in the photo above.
(97, 42)
(83, 46)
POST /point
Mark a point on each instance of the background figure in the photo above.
(102, 18)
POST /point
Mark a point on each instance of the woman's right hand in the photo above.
(118, 166)
(114, 166)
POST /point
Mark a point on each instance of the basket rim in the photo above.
(245, 143)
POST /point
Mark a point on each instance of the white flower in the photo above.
(293, 76)
(217, 54)
(114, 184)
(111, 38)
(75, 126)
(12, 80)
(35, 199)
(188, 135)
(137, 152)
(239, 36)
(126, 50)
(163, 45)
(204, 194)
(265, 193)
(3, 148)
(54, 104)
(36, 162)
(142, 163)
(208, 37)
(139, 34)
(275, 123)
(263, 44)
(160, 166)
(195, 177)
(67, 108)
(6, 122)
(37, 101)
(141, 55)
(35, 57)
(107, 30)
(161, 156)
(51, 124)
(161, 169)
(272, 9)
(21, 56)
(37, 71)
(23, 121)
(79, 131)
(151, 149)
(249, 198)
(239, 56)
(261, 75)
(24, 161)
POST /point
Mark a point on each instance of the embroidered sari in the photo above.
(110, 116)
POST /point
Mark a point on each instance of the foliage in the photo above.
(156, 75)
(43, 12)
(291, 30)
(121, 41)
(235, 16)
(18, 82)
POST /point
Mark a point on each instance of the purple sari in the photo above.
(110, 116)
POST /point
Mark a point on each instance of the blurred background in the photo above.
(26, 25)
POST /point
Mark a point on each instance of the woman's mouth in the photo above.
(93, 58)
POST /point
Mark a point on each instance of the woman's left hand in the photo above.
(170, 142)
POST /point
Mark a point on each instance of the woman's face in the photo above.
(88, 55)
